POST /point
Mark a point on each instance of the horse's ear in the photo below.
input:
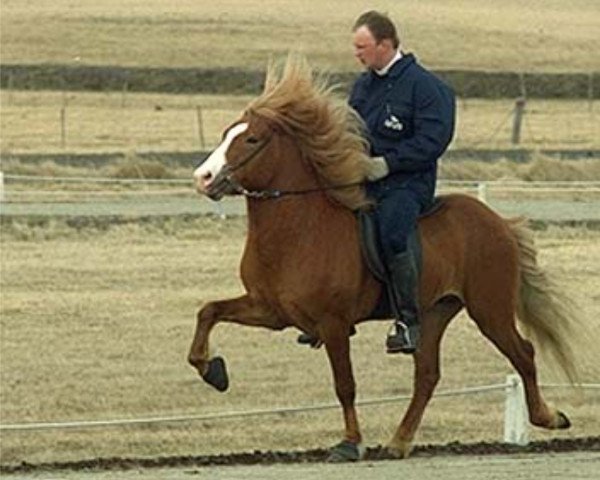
(250, 116)
(274, 126)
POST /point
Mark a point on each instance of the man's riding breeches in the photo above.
(397, 212)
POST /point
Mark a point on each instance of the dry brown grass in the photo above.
(539, 35)
(31, 122)
(96, 325)
(540, 168)
(132, 166)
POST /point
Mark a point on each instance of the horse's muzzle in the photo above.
(219, 187)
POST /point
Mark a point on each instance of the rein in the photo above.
(274, 194)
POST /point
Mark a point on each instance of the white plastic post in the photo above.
(482, 192)
(516, 418)
(219, 210)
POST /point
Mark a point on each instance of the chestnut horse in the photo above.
(298, 155)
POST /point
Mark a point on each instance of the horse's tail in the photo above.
(546, 312)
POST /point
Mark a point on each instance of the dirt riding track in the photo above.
(573, 459)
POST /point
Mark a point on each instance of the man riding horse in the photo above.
(409, 116)
(298, 157)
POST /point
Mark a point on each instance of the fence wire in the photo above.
(20, 427)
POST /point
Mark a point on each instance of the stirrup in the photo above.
(402, 338)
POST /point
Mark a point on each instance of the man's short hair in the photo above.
(380, 25)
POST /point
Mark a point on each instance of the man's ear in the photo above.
(387, 44)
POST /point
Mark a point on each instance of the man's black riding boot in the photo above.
(405, 334)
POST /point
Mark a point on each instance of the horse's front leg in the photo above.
(243, 310)
(337, 344)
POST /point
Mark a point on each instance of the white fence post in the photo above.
(482, 192)
(219, 210)
(516, 418)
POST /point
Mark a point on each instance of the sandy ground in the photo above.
(572, 466)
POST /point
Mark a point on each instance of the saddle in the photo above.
(370, 245)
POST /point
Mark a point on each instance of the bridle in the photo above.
(225, 179)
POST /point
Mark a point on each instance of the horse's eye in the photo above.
(251, 139)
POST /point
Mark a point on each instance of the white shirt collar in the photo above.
(387, 68)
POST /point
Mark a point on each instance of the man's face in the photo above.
(366, 49)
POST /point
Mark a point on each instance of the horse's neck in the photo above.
(292, 222)
(295, 217)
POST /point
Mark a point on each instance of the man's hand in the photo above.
(377, 168)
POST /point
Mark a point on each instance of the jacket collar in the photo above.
(397, 67)
(391, 63)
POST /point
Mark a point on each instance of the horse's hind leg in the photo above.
(497, 323)
(427, 372)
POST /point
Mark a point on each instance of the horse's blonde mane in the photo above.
(328, 132)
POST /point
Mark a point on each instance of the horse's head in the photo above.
(295, 137)
(235, 164)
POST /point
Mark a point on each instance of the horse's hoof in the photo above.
(216, 375)
(399, 449)
(345, 452)
(563, 421)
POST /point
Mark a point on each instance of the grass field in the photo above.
(31, 122)
(96, 325)
(539, 35)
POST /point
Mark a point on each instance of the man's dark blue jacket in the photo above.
(409, 114)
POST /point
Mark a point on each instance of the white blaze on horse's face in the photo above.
(210, 168)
